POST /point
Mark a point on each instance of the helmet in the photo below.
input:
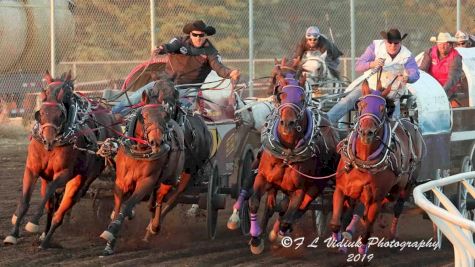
(312, 32)
(461, 36)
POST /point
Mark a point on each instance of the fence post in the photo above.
(353, 42)
(251, 48)
(52, 39)
(459, 11)
(152, 24)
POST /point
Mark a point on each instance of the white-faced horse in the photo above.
(320, 80)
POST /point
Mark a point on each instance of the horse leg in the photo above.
(50, 207)
(356, 214)
(244, 194)
(335, 222)
(29, 181)
(397, 211)
(154, 226)
(296, 200)
(171, 202)
(143, 187)
(59, 180)
(69, 198)
(281, 208)
(269, 211)
(369, 220)
(256, 243)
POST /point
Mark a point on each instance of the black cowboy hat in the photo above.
(199, 25)
(393, 35)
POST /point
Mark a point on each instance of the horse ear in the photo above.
(145, 98)
(60, 95)
(276, 62)
(303, 79)
(160, 97)
(296, 63)
(43, 95)
(48, 79)
(284, 61)
(68, 76)
(386, 91)
(365, 88)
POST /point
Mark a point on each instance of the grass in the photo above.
(12, 131)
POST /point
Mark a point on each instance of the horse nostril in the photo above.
(282, 123)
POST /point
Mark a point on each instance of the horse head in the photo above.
(166, 89)
(292, 110)
(314, 65)
(372, 112)
(280, 72)
(52, 115)
(153, 118)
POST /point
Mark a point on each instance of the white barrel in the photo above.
(13, 29)
(36, 52)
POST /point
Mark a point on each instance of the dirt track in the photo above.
(183, 241)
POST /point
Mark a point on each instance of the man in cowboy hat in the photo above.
(444, 63)
(192, 57)
(314, 41)
(387, 53)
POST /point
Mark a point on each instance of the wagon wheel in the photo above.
(462, 194)
(320, 216)
(437, 232)
(212, 205)
(244, 212)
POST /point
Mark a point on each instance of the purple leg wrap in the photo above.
(255, 228)
(240, 200)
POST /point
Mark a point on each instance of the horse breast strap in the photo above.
(306, 147)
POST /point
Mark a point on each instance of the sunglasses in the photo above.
(312, 39)
(461, 43)
(198, 34)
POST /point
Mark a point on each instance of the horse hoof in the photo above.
(107, 236)
(257, 249)
(348, 235)
(32, 228)
(42, 237)
(233, 222)
(14, 219)
(272, 236)
(107, 252)
(10, 240)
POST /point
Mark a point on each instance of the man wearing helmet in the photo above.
(314, 41)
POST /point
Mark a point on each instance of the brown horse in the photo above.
(62, 137)
(379, 161)
(295, 159)
(155, 163)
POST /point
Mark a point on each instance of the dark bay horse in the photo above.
(66, 128)
(379, 163)
(296, 158)
(155, 163)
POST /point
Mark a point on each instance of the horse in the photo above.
(320, 79)
(154, 163)
(379, 162)
(294, 158)
(59, 152)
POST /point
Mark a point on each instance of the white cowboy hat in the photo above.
(443, 37)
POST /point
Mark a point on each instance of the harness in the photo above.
(76, 115)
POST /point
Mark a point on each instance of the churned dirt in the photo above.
(183, 241)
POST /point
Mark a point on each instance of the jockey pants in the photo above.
(348, 103)
(123, 107)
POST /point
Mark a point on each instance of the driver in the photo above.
(314, 41)
(387, 53)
